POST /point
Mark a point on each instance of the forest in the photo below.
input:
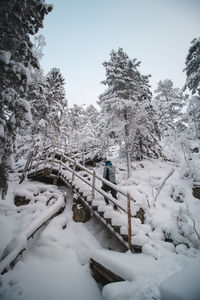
(145, 134)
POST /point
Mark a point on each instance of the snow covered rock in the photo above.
(80, 213)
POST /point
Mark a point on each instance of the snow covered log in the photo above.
(19, 243)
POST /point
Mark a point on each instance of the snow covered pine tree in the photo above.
(56, 100)
(192, 67)
(127, 106)
(18, 20)
(192, 70)
(168, 103)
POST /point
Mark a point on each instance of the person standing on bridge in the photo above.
(109, 174)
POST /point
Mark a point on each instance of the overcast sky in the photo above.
(80, 35)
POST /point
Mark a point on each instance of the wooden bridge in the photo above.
(57, 164)
(54, 163)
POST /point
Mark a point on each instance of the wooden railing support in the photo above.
(93, 184)
(37, 164)
(28, 163)
(74, 168)
(52, 160)
(129, 221)
(67, 165)
(60, 167)
(83, 158)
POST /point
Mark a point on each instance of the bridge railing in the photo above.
(59, 161)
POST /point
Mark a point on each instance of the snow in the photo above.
(5, 56)
(55, 264)
(183, 285)
(1, 131)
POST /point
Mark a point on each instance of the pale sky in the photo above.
(80, 34)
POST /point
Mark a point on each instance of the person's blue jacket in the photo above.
(109, 173)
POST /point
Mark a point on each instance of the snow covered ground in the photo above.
(56, 262)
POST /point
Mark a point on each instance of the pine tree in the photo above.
(78, 119)
(92, 113)
(18, 20)
(37, 97)
(169, 102)
(192, 68)
(55, 99)
(39, 44)
(126, 103)
(193, 111)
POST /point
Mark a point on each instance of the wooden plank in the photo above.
(107, 274)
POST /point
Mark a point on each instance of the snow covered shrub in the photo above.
(177, 193)
(186, 172)
(187, 228)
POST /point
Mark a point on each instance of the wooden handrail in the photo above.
(103, 193)
(129, 222)
(110, 184)
(71, 167)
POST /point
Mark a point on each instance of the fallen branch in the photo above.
(193, 221)
(162, 184)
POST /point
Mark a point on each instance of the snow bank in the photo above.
(183, 285)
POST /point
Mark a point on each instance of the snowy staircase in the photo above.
(81, 183)
(114, 221)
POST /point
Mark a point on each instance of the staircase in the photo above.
(53, 164)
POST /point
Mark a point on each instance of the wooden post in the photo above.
(52, 160)
(74, 167)
(55, 181)
(46, 158)
(60, 167)
(129, 221)
(93, 184)
(37, 163)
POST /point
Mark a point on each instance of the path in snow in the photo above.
(55, 265)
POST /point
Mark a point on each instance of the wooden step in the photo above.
(108, 220)
(116, 228)
(102, 274)
(101, 213)
(95, 207)
(125, 237)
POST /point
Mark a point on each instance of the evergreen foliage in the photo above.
(48, 103)
(56, 101)
(193, 111)
(192, 68)
(39, 44)
(169, 102)
(18, 20)
(83, 126)
(127, 106)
